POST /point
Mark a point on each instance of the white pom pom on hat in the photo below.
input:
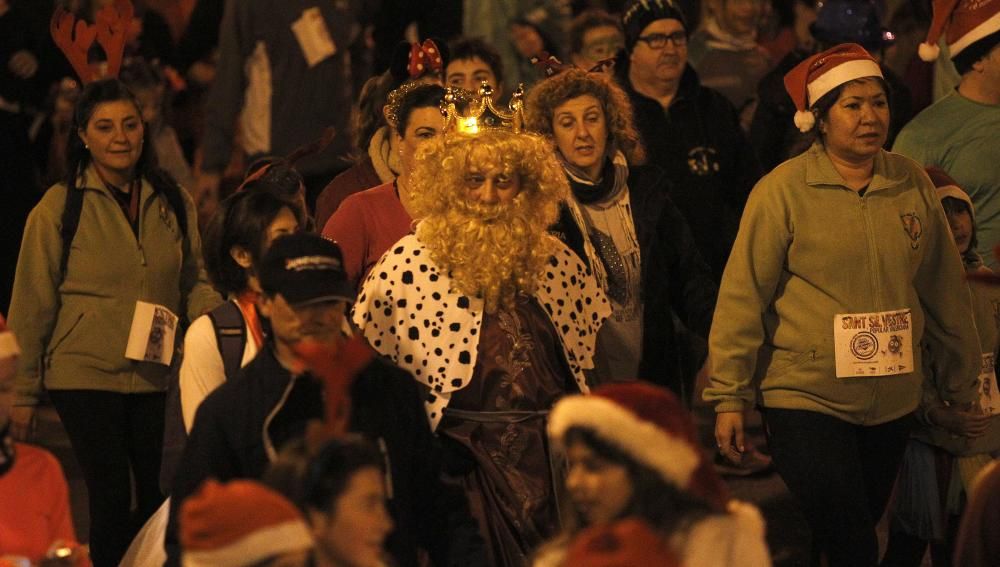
(808, 81)
(962, 24)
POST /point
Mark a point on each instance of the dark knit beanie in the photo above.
(640, 13)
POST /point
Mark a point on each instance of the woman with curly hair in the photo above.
(619, 219)
(495, 317)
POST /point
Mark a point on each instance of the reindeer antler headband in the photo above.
(75, 37)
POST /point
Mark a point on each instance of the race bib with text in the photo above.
(873, 344)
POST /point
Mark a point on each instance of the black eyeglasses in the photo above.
(659, 40)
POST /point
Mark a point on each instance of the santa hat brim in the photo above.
(674, 459)
(260, 545)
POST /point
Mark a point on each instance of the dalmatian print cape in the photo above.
(409, 313)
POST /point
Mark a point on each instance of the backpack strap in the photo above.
(70, 222)
(230, 336)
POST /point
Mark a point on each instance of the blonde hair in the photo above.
(546, 95)
(491, 251)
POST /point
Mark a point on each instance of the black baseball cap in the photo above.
(305, 269)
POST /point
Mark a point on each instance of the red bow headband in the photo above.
(423, 57)
(75, 37)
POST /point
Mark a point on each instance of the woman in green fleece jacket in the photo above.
(78, 296)
(843, 254)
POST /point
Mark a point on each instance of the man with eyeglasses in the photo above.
(689, 130)
(693, 133)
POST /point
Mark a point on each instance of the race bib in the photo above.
(989, 398)
(313, 36)
(873, 344)
(151, 338)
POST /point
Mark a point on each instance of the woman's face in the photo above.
(858, 123)
(600, 489)
(354, 531)
(114, 137)
(581, 132)
(424, 124)
(961, 228)
(284, 223)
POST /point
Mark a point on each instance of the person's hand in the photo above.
(729, 435)
(960, 422)
(22, 422)
(206, 193)
(23, 64)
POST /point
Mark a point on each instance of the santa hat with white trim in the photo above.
(8, 344)
(239, 523)
(808, 81)
(972, 25)
(650, 425)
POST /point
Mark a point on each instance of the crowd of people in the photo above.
(439, 283)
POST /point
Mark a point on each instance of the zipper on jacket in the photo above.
(873, 275)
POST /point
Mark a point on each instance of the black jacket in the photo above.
(698, 142)
(773, 133)
(226, 443)
(675, 278)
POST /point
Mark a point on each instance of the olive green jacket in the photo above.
(73, 327)
(809, 248)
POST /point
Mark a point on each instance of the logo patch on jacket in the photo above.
(913, 228)
(703, 161)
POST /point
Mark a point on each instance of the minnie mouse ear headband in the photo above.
(75, 37)
(412, 61)
(971, 26)
(808, 81)
(651, 426)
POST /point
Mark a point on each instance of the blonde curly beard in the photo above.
(492, 252)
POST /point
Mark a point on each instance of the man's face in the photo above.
(469, 74)
(740, 17)
(599, 43)
(664, 64)
(290, 324)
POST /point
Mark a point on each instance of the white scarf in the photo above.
(385, 162)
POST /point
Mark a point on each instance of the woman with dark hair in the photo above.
(378, 159)
(633, 454)
(620, 220)
(843, 269)
(341, 490)
(108, 257)
(367, 223)
(235, 241)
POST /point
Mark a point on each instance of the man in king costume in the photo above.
(495, 317)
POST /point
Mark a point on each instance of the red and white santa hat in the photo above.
(808, 81)
(649, 424)
(239, 523)
(946, 186)
(8, 344)
(963, 23)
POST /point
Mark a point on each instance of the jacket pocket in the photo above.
(60, 338)
(783, 361)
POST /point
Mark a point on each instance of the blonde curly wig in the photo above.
(546, 95)
(491, 251)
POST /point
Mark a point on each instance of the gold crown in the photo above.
(481, 113)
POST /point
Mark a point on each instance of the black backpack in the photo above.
(231, 338)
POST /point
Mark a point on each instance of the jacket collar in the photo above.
(89, 179)
(820, 171)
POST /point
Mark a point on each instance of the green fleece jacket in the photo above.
(809, 248)
(986, 308)
(73, 328)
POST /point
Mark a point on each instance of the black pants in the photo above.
(113, 434)
(841, 474)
